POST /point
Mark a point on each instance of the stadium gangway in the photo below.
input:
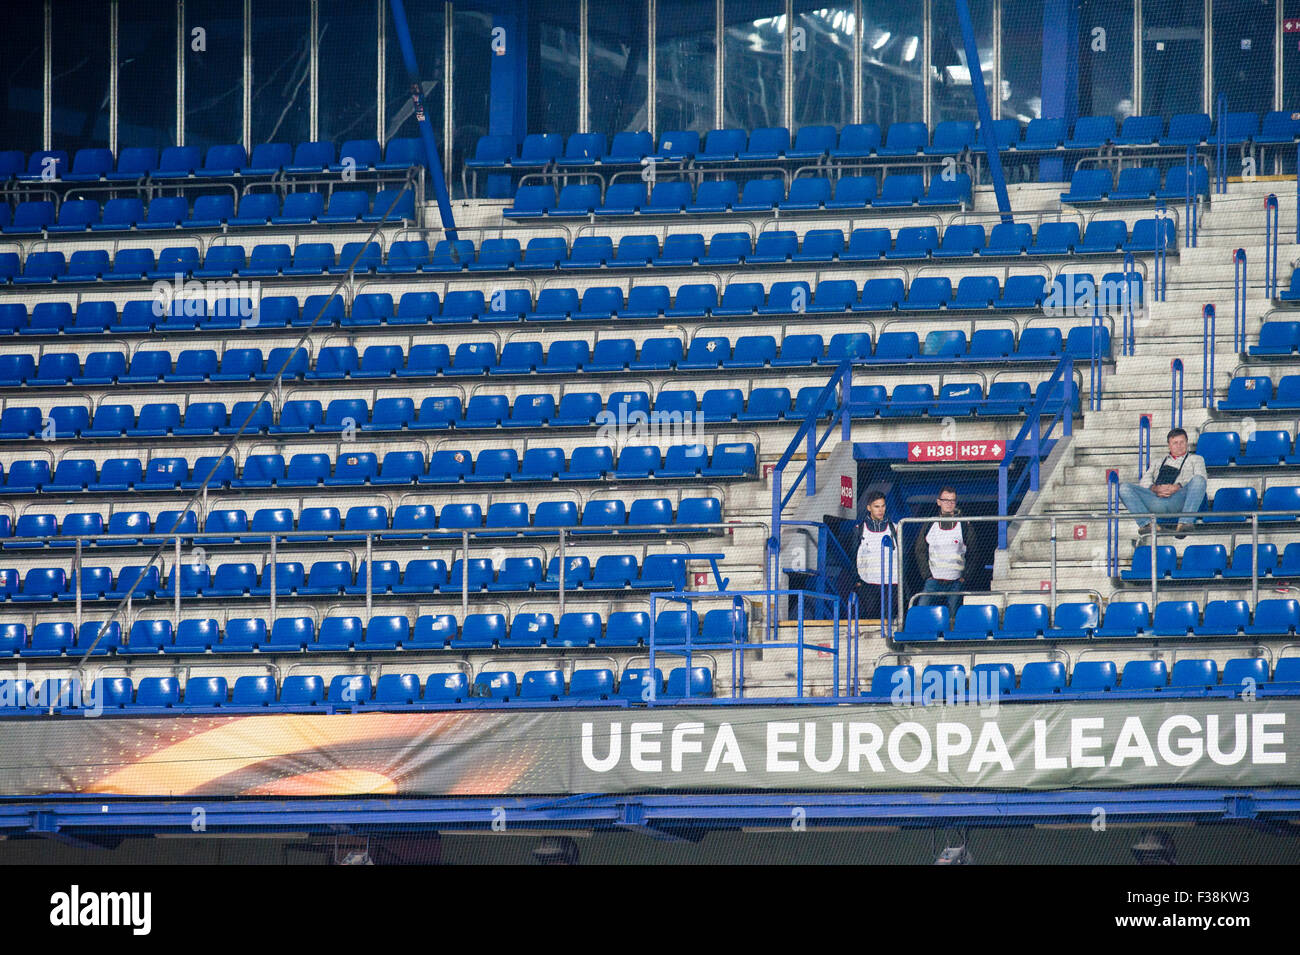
(458, 542)
(739, 648)
(1031, 433)
(1111, 517)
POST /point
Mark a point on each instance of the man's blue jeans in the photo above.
(1141, 500)
(933, 586)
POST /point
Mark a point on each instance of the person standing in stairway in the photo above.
(1173, 485)
(941, 555)
(871, 568)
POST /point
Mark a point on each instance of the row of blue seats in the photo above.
(1256, 393)
(864, 140)
(1231, 499)
(1222, 449)
(1274, 617)
(1201, 562)
(653, 515)
(682, 250)
(1136, 184)
(444, 467)
(38, 217)
(1069, 292)
(675, 197)
(1291, 294)
(1277, 338)
(347, 692)
(1089, 680)
(327, 578)
(566, 357)
(479, 631)
(671, 409)
(136, 164)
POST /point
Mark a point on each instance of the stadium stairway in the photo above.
(1074, 480)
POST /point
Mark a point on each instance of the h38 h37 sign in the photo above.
(928, 452)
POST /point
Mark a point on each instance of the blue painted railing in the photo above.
(1207, 355)
(1190, 199)
(1221, 147)
(1112, 523)
(1176, 393)
(1128, 337)
(1144, 443)
(1032, 436)
(1239, 300)
(1270, 246)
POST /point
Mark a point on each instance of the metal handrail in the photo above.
(1207, 355)
(1032, 434)
(1175, 394)
(1239, 300)
(1270, 246)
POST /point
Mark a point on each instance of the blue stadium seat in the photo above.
(924, 623)
(853, 192)
(1075, 621)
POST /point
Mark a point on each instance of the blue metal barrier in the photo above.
(1031, 433)
(1176, 393)
(1239, 300)
(1221, 147)
(1127, 339)
(1270, 246)
(1207, 355)
(1094, 357)
(1112, 523)
(887, 546)
(1144, 444)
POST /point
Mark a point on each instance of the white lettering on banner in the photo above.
(726, 749)
(76, 908)
(777, 747)
(1233, 756)
(836, 746)
(895, 751)
(639, 747)
(991, 748)
(680, 745)
(1041, 759)
(1079, 743)
(1133, 743)
(1192, 748)
(1260, 738)
(615, 748)
(953, 740)
(832, 762)
(865, 740)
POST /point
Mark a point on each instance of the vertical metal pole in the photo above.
(997, 59)
(1254, 560)
(432, 162)
(584, 98)
(927, 58)
(1137, 56)
(381, 74)
(246, 135)
(1208, 60)
(370, 571)
(448, 90)
(981, 105)
(176, 579)
(47, 78)
(272, 588)
(180, 72)
(1052, 583)
(787, 65)
(314, 69)
(719, 62)
(1155, 530)
(113, 56)
(76, 569)
(859, 37)
(652, 68)
(560, 561)
(464, 575)
(1278, 78)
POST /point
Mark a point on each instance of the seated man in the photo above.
(1172, 485)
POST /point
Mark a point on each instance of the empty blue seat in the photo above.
(948, 191)
(807, 193)
(924, 623)
(760, 195)
(900, 190)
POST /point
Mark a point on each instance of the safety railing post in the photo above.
(176, 578)
(76, 572)
(1155, 531)
(1130, 273)
(1051, 583)
(370, 571)
(1254, 560)
(1207, 355)
(1144, 443)
(1094, 357)
(1297, 193)
(1112, 523)
(272, 584)
(1162, 215)
(1270, 246)
(887, 587)
(1176, 393)
(464, 573)
(1239, 300)
(1002, 505)
(1221, 142)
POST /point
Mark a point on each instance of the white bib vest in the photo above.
(870, 568)
(947, 552)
